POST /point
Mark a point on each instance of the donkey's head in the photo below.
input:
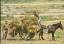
(60, 25)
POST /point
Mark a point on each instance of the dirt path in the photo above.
(32, 42)
(35, 40)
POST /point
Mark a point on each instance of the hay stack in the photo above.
(29, 20)
(32, 23)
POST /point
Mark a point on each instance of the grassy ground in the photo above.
(59, 40)
(43, 7)
(59, 36)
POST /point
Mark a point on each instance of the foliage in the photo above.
(44, 18)
(47, 18)
(17, 1)
(27, 1)
(58, 34)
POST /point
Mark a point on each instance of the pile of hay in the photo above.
(29, 20)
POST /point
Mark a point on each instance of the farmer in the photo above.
(40, 26)
(38, 17)
(5, 29)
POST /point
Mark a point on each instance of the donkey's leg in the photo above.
(42, 36)
(53, 36)
(39, 36)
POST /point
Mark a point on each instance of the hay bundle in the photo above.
(29, 21)
(33, 28)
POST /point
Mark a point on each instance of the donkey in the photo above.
(52, 28)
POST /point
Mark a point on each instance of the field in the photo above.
(50, 11)
(59, 39)
(59, 35)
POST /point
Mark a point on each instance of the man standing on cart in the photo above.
(38, 17)
(40, 25)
